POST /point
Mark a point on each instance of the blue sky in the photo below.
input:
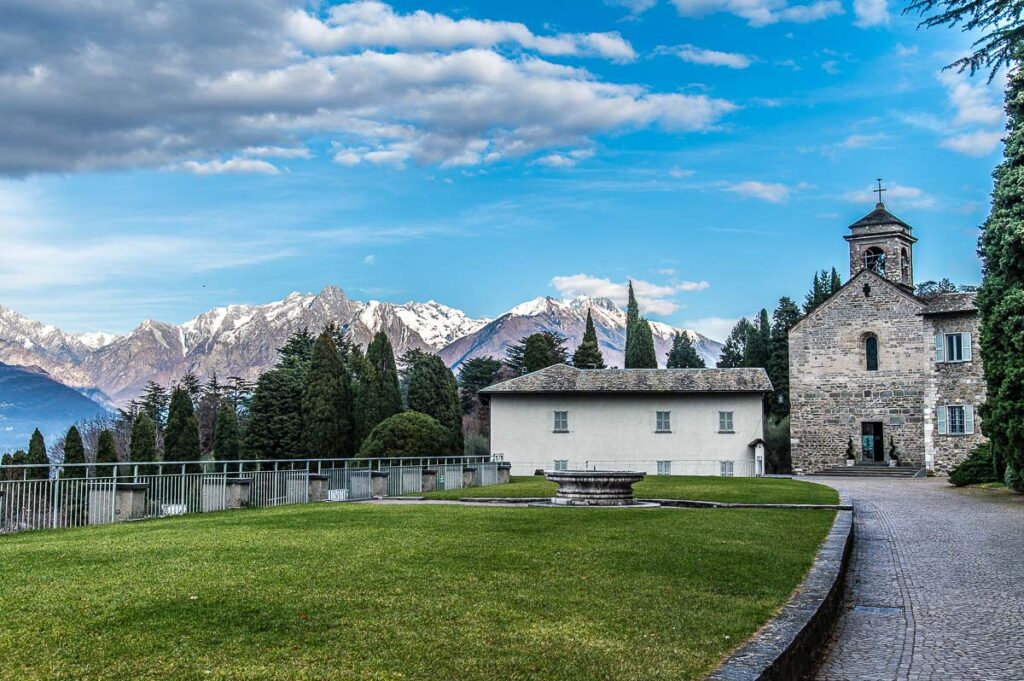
(158, 163)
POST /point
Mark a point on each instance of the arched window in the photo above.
(871, 351)
(905, 265)
(874, 259)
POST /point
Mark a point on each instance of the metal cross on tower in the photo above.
(879, 191)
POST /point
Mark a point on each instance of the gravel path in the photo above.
(936, 586)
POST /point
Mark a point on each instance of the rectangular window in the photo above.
(725, 422)
(953, 347)
(725, 468)
(561, 464)
(956, 420)
(663, 422)
(664, 468)
(561, 422)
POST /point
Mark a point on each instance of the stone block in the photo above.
(469, 476)
(504, 473)
(317, 487)
(130, 502)
(429, 480)
(237, 491)
(379, 484)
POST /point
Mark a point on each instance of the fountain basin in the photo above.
(594, 488)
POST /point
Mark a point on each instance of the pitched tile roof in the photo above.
(947, 303)
(879, 216)
(566, 379)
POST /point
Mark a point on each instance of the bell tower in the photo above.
(882, 242)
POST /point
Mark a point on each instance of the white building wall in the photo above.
(618, 431)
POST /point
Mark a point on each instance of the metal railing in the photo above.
(68, 495)
(739, 468)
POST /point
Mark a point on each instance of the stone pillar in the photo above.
(317, 487)
(429, 480)
(130, 503)
(237, 492)
(378, 484)
(504, 473)
(469, 476)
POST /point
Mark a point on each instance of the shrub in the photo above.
(776, 440)
(1013, 480)
(407, 434)
(975, 469)
(476, 444)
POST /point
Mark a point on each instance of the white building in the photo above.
(661, 421)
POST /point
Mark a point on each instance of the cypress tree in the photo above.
(683, 355)
(181, 441)
(74, 452)
(434, 391)
(226, 439)
(381, 356)
(641, 354)
(19, 458)
(632, 350)
(835, 282)
(1001, 296)
(37, 455)
(142, 448)
(106, 453)
(275, 417)
(758, 347)
(784, 318)
(327, 412)
(588, 354)
(733, 351)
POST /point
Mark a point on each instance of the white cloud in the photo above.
(567, 160)
(377, 25)
(635, 7)
(853, 141)
(904, 51)
(902, 195)
(871, 13)
(277, 152)
(716, 328)
(972, 101)
(370, 259)
(678, 173)
(232, 165)
(773, 192)
(699, 55)
(831, 67)
(761, 12)
(979, 143)
(653, 298)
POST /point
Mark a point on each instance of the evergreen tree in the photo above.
(327, 403)
(142, 448)
(388, 396)
(588, 354)
(1001, 297)
(1000, 46)
(297, 352)
(475, 375)
(8, 473)
(106, 453)
(19, 458)
(758, 347)
(365, 395)
(408, 434)
(547, 349)
(816, 296)
(785, 317)
(733, 351)
(181, 439)
(207, 406)
(683, 355)
(226, 438)
(190, 384)
(275, 417)
(835, 282)
(37, 455)
(434, 391)
(74, 452)
(641, 354)
(155, 400)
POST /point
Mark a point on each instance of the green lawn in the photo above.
(359, 591)
(735, 490)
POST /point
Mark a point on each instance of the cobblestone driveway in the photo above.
(936, 587)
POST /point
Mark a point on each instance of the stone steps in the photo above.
(869, 471)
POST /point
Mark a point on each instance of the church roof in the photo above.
(879, 216)
(562, 378)
(948, 303)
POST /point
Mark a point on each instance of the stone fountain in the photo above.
(595, 488)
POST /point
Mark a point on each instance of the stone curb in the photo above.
(668, 503)
(787, 647)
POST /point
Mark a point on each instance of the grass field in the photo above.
(359, 591)
(735, 490)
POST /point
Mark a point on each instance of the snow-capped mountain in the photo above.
(568, 317)
(242, 340)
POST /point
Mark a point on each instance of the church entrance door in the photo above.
(872, 441)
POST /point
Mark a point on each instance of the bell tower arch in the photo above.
(882, 242)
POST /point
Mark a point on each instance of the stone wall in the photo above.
(832, 391)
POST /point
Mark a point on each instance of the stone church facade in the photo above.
(880, 366)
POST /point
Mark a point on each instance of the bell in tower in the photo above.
(882, 242)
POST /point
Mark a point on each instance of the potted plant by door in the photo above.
(894, 454)
(851, 454)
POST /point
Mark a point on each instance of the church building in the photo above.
(879, 366)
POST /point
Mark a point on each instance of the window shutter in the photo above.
(940, 348)
(967, 346)
(941, 413)
(968, 419)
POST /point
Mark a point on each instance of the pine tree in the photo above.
(816, 296)
(226, 438)
(181, 439)
(547, 349)
(475, 375)
(74, 452)
(434, 391)
(275, 417)
(297, 352)
(191, 385)
(835, 282)
(1001, 296)
(733, 351)
(155, 400)
(327, 413)
(106, 453)
(142, 448)
(37, 455)
(388, 395)
(588, 354)
(207, 406)
(683, 355)
(785, 317)
(758, 347)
